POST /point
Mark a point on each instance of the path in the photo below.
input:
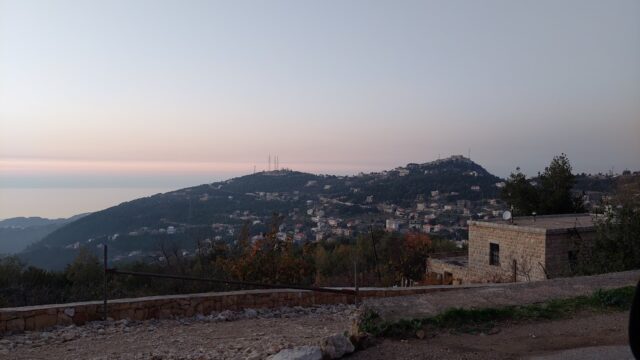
(589, 336)
(425, 305)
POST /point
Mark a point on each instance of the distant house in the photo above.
(393, 224)
(524, 249)
(403, 172)
(415, 225)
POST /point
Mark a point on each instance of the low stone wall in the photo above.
(31, 318)
(442, 272)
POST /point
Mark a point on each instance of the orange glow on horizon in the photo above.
(111, 167)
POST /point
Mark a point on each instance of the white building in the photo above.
(393, 224)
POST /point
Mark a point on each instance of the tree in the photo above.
(269, 259)
(411, 258)
(85, 275)
(617, 245)
(520, 194)
(10, 277)
(551, 196)
(556, 183)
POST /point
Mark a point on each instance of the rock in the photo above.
(362, 340)
(298, 353)
(420, 334)
(250, 313)
(70, 312)
(335, 346)
(68, 337)
(226, 315)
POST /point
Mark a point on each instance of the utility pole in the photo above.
(355, 280)
(106, 272)
(375, 254)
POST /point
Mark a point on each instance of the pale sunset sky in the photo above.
(106, 101)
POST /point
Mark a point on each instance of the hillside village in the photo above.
(336, 214)
(436, 198)
(314, 208)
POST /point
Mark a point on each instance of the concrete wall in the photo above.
(44, 316)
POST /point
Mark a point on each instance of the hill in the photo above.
(311, 204)
(19, 232)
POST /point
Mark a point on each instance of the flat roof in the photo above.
(549, 223)
(462, 260)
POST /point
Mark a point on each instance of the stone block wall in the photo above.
(438, 268)
(559, 245)
(525, 245)
(31, 318)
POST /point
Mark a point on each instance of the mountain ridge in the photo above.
(18, 233)
(226, 206)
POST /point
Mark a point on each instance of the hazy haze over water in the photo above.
(65, 202)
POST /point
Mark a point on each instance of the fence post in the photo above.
(355, 280)
(104, 298)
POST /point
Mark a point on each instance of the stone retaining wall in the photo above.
(31, 318)
(442, 272)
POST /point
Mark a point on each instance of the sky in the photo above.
(157, 95)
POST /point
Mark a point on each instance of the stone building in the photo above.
(522, 249)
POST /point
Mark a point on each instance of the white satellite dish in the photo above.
(506, 215)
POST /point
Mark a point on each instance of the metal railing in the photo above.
(113, 271)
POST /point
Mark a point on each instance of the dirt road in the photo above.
(511, 341)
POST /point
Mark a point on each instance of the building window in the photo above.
(494, 254)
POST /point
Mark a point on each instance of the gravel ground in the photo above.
(255, 334)
(252, 334)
